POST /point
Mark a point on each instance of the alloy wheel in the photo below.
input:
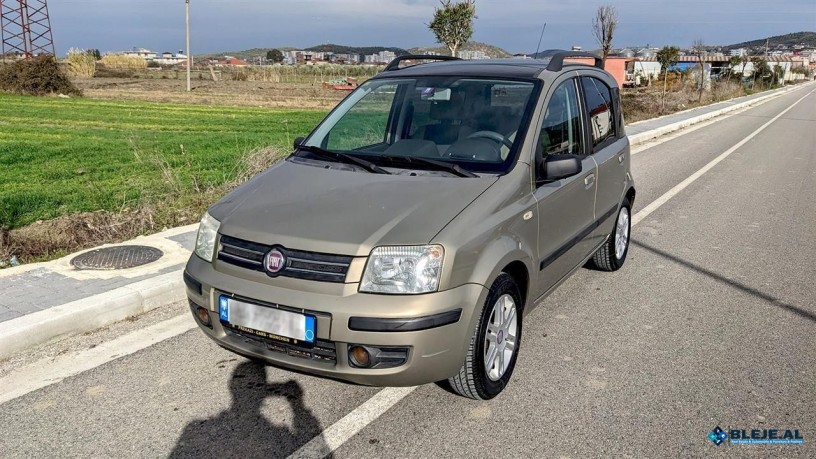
(500, 339)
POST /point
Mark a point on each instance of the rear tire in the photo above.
(494, 345)
(612, 255)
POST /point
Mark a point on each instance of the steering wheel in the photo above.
(492, 135)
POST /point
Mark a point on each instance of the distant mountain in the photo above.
(492, 51)
(254, 53)
(807, 39)
(342, 49)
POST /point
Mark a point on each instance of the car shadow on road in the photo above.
(730, 282)
(243, 430)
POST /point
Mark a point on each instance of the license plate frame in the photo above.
(268, 322)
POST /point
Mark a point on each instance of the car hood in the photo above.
(316, 209)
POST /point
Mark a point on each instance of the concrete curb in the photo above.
(104, 309)
(90, 313)
(637, 139)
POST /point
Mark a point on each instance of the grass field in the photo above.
(64, 156)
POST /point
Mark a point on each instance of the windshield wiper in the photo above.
(454, 169)
(343, 158)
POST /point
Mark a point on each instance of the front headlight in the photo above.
(205, 241)
(411, 269)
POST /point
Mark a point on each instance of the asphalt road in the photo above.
(711, 322)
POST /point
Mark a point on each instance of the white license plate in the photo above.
(267, 322)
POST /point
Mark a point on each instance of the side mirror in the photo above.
(299, 141)
(557, 167)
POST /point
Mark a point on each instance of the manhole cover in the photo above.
(121, 257)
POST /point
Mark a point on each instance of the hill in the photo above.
(342, 49)
(807, 39)
(254, 53)
(492, 51)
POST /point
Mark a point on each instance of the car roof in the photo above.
(500, 68)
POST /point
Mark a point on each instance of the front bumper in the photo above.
(436, 341)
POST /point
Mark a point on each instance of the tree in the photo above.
(778, 75)
(700, 50)
(667, 56)
(274, 55)
(733, 64)
(745, 60)
(453, 23)
(603, 27)
(761, 69)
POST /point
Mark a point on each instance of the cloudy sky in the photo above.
(229, 25)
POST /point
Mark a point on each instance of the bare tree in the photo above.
(699, 48)
(453, 23)
(603, 27)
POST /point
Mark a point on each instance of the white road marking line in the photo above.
(338, 433)
(47, 372)
(51, 371)
(657, 203)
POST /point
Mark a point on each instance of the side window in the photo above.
(599, 104)
(365, 123)
(561, 132)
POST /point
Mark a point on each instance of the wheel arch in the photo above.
(519, 272)
(630, 195)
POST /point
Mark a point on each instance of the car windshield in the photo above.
(474, 123)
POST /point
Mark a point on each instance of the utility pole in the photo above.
(189, 54)
(25, 28)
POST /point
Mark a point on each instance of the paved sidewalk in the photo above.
(43, 301)
(29, 289)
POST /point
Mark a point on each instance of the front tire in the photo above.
(494, 346)
(612, 255)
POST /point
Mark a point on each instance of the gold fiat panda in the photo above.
(407, 237)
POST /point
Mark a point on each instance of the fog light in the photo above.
(203, 316)
(359, 357)
(374, 357)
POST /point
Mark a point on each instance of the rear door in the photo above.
(609, 146)
(565, 207)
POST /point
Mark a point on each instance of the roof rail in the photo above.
(394, 65)
(557, 57)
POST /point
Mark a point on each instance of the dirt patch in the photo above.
(647, 102)
(227, 93)
(50, 238)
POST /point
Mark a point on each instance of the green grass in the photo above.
(62, 156)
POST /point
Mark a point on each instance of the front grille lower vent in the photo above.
(299, 264)
(321, 351)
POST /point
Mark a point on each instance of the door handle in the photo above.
(589, 180)
(621, 158)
